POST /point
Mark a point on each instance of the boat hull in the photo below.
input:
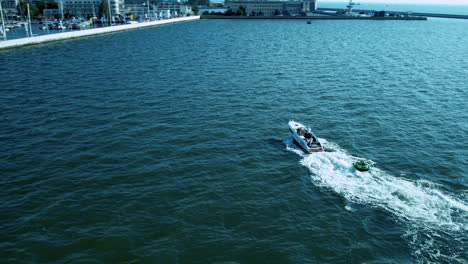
(301, 140)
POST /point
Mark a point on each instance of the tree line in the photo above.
(36, 10)
(196, 3)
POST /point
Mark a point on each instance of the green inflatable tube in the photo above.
(361, 166)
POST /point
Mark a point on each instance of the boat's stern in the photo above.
(319, 149)
(309, 143)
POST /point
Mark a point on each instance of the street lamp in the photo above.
(3, 22)
(148, 7)
(110, 16)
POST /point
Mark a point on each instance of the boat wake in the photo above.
(436, 221)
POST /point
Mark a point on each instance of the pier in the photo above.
(401, 13)
(15, 43)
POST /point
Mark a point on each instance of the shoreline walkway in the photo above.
(16, 43)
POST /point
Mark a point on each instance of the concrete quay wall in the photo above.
(15, 43)
(402, 13)
(323, 17)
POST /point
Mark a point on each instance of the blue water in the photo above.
(170, 144)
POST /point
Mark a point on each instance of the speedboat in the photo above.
(305, 138)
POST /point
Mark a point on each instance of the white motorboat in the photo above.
(305, 138)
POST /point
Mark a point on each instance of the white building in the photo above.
(159, 10)
(89, 7)
(270, 8)
(9, 4)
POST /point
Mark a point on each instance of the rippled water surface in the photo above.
(170, 144)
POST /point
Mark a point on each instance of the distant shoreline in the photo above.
(313, 17)
(401, 12)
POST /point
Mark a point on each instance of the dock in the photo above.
(16, 43)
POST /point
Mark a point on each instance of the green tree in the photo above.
(34, 11)
(195, 9)
(23, 9)
(241, 11)
(194, 4)
(104, 9)
(52, 5)
(41, 5)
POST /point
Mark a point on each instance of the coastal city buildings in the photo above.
(151, 9)
(85, 8)
(270, 8)
(139, 9)
(156, 9)
(9, 4)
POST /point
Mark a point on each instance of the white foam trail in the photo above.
(417, 203)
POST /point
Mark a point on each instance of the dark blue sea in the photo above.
(170, 144)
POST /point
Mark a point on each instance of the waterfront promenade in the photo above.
(14, 43)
